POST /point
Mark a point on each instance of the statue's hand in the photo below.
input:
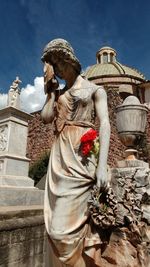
(51, 85)
(50, 81)
(102, 178)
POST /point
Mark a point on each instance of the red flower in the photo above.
(87, 141)
(86, 147)
(89, 136)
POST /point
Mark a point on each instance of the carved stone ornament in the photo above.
(15, 84)
(3, 137)
(121, 204)
(14, 94)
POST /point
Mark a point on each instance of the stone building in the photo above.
(119, 81)
(112, 74)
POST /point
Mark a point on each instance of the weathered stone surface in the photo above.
(132, 163)
(146, 213)
(126, 234)
(125, 250)
(22, 234)
(130, 186)
(17, 181)
(13, 142)
(21, 196)
(16, 188)
(148, 136)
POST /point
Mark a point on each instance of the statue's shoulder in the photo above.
(84, 89)
(91, 86)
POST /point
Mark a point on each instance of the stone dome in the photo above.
(108, 66)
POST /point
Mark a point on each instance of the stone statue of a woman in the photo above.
(71, 176)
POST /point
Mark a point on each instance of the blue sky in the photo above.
(27, 25)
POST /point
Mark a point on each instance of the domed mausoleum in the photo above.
(112, 74)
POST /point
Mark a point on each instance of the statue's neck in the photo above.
(74, 82)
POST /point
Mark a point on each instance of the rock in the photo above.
(120, 251)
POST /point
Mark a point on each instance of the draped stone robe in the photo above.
(70, 179)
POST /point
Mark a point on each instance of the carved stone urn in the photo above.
(131, 118)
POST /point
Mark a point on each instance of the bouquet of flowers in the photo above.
(90, 143)
(102, 204)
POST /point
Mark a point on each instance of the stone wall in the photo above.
(22, 234)
(148, 128)
(40, 137)
(148, 135)
(116, 147)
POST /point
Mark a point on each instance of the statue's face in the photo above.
(61, 68)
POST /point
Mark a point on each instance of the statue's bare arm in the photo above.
(47, 113)
(102, 114)
(50, 85)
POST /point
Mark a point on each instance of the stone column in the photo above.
(101, 58)
(108, 57)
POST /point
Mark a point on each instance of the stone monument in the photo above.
(15, 185)
(22, 229)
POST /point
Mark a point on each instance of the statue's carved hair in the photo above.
(63, 50)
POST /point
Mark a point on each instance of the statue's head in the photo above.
(61, 49)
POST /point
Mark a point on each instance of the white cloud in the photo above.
(32, 96)
(3, 100)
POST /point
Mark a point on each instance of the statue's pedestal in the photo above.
(15, 185)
